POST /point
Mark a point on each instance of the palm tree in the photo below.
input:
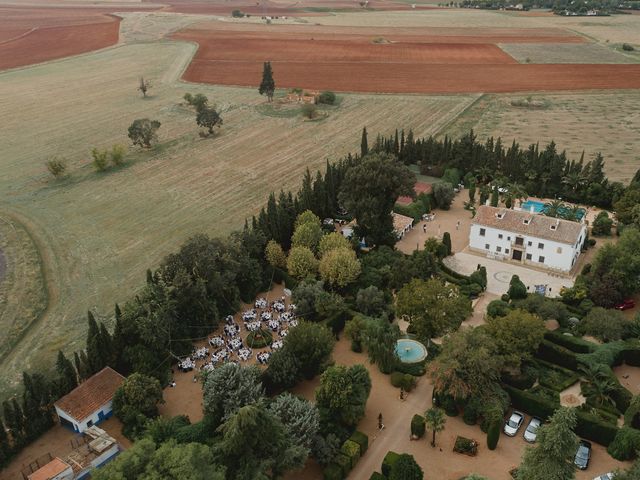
(573, 213)
(515, 191)
(598, 383)
(573, 180)
(554, 208)
(435, 420)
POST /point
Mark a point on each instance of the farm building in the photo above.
(527, 238)
(56, 469)
(401, 224)
(304, 96)
(90, 402)
(419, 187)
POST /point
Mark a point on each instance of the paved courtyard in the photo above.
(499, 274)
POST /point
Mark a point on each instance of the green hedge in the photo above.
(555, 377)
(631, 355)
(589, 426)
(333, 472)
(625, 445)
(361, 439)
(574, 344)
(377, 476)
(351, 450)
(417, 369)
(280, 276)
(594, 429)
(344, 462)
(557, 354)
(418, 426)
(452, 273)
(389, 460)
(530, 403)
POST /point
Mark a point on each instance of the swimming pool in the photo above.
(539, 207)
(410, 351)
(532, 206)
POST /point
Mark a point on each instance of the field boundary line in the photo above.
(450, 122)
(18, 37)
(175, 71)
(46, 269)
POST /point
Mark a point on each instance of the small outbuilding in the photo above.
(56, 469)
(91, 402)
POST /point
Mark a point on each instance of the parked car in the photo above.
(583, 455)
(625, 304)
(514, 423)
(531, 433)
(605, 476)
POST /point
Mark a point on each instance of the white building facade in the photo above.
(527, 238)
(94, 418)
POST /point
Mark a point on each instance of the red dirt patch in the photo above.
(347, 60)
(37, 34)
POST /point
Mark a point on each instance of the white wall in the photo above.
(557, 256)
(107, 410)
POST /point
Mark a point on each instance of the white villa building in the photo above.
(90, 402)
(527, 238)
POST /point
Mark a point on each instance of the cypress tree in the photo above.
(494, 196)
(472, 192)
(80, 368)
(493, 434)
(268, 85)
(446, 241)
(364, 143)
(96, 363)
(67, 374)
(106, 346)
(84, 360)
(16, 424)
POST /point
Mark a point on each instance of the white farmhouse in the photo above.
(527, 238)
(90, 402)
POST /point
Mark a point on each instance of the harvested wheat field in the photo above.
(612, 119)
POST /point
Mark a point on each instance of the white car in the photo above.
(531, 433)
(605, 476)
(514, 423)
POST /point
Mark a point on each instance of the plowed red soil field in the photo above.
(34, 34)
(347, 60)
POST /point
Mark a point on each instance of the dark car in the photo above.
(625, 304)
(583, 455)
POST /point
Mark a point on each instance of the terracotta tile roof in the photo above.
(50, 470)
(400, 222)
(90, 395)
(539, 225)
(419, 187)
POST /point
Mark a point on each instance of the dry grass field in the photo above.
(567, 53)
(100, 232)
(590, 121)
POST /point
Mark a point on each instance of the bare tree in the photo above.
(144, 86)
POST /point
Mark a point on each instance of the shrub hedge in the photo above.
(418, 426)
(361, 439)
(332, 471)
(389, 460)
(575, 344)
(625, 445)
(377, 476)
(589, 426)
(557, 354)
(344, 462)
(351, 450)
(554, 376)
(417, 369)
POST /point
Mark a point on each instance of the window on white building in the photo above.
(529, 256)
(541, 259)
(541, 246)
(559, 250)
(487, 246)
(482, 232)
(506, 250)
(500, 236)
(529, 244)
(498, 249)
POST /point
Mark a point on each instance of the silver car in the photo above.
(531, 432)
(605, 476)
(514, 423)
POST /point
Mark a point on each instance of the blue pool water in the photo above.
(529, 204)
(410, 351)
(538, 207)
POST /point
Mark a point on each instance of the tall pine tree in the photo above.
(67, 378)
(268, 84)
(94, 348)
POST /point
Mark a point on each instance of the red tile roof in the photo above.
(90, 395)
(419, 187)
(50, 470)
